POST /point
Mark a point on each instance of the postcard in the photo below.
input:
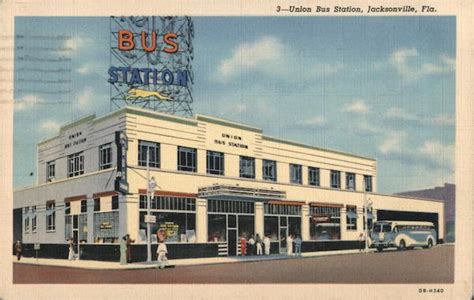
(202, 150)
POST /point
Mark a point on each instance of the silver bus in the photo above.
(403, 235)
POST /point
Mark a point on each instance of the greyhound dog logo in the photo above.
(135, 93)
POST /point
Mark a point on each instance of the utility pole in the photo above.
(151, 184)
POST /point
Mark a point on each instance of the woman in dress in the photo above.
(123, 251)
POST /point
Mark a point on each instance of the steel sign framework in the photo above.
(156, 79)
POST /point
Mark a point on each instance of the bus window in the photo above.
(395, 229)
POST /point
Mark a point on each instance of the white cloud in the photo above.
(251, 56)
(27, 102)
(357, 107)
(398, 113)
(393, 142)
(405, 60)
(75, 43)
(49, 126)
(84, 69)
(84, 100)
(364, 127)
(440, 153)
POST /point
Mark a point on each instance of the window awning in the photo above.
(235, 192)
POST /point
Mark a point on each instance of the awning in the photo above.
(236, 192)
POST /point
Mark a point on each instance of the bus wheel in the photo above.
(401, 247)
(379, 249)
(430, 243)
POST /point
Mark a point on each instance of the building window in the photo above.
(313, 176)
(269, 170)
(33, 223)
(368, 183)
(230, 206)
(83, 206)
(169, 203)
(335, 179)
(26, 219)
(325, 223)
(115, 202)
(187, 159)
(215, 163)
(153, 149)
(351, 218)
(67, 208)
(282, 209)
(247, 167)
(50, 216)
(295, 174)
(50, 170)
(105, 156)
(97, 204)
(350, 181)
(75, 164)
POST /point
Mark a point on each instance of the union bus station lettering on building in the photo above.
(209, 194)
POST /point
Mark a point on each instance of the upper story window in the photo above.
(350, 181)
(75, 166)
(97, 204)
(269, 170)
(115, 202)
(67, 208)
(83, 206)
(187, 159)
(26, 219)
(368, 183)
(105, 156)
(50, 216)
(351, 218)
(33, 219)
(149, 148)
(295, 174)
(215, 163)
(313, 176)
(247, 167)
(50, 170)
(335, 179)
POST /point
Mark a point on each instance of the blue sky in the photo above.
(379, 87)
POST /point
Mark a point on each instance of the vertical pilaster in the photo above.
(259, 219)
(90, 221)
(343, 224)
(201, 220)
(305, 236)
(123, 229)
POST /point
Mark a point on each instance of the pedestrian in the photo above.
(123, 250)
(18, 250)
(161, 253)
(243, 245)
(267, 243)
(251, 245)
(72, 253)
(258, 241)
(289, 245)
(298, 242)
(361, 242)
(129, 248)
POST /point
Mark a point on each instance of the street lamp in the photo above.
(150, 189)
(367, 205)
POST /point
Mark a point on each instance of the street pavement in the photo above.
(413, 266)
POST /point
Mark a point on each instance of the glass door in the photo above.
(283, 235)
(232, 243)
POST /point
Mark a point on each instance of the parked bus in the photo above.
(403, 235)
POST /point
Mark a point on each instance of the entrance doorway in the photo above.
(283, 235)
(232, 242)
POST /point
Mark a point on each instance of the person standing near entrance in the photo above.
(361, 242)
(123, 250)
(243, 245)
(298, 242)
(161, 253)
(289, 245)
(129, 248)
(258, 240)
(251, 245)
(267, 243)
(72, 253)
(18, 250)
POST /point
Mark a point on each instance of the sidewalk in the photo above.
(104, 265)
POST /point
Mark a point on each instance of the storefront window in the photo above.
(106, 226)
(246, 226)
(179, 227)
(216, 228)
(294, 225)
(271, 227)
(325, 223)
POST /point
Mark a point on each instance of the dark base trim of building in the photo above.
(175, 251)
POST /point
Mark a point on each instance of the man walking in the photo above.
(129, 248)
(298, 242)
(18, 250)
(259, 244)
(251, 245)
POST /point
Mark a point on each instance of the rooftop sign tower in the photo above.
(150, 63)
